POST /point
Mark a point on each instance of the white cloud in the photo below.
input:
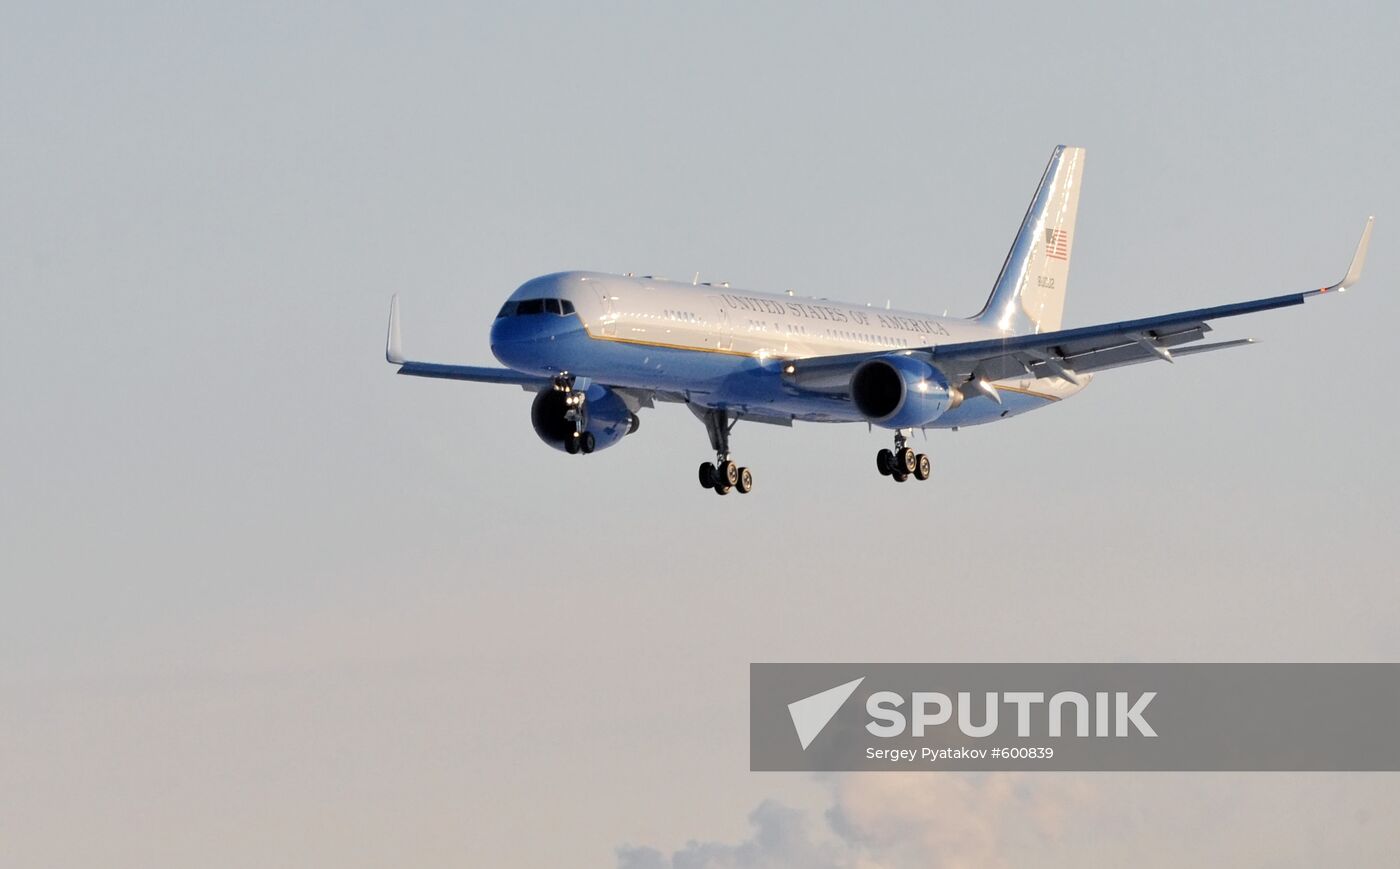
(889, 821)
(781, 838)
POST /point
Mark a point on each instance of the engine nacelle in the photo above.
(901, 392)
(605, 416)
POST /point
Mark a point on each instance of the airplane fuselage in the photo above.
(721, 347)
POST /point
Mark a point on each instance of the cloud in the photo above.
(781, 838)
(888, 821)
(948, 820)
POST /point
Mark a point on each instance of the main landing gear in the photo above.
(580, 441)
(903, 463)
(722, 475)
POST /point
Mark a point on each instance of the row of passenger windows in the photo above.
(562, 307)
(565, 307)
(868, 338)
(779, 328)
(799, 329)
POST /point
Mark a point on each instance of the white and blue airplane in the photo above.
(597, 348)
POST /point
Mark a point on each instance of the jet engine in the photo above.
(898, 391)
(606, 418)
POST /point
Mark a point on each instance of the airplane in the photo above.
(598, 348)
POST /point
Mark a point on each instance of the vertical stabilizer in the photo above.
(1029, 295)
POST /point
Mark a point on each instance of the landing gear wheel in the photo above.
(905, 462)
(884, 462)
(587, 442)
(723, 475)
(922, 467)
(745, 481)
(900, 476)
(571, 444)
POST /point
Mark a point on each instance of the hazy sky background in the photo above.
(264, 603)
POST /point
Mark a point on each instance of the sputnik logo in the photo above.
(810, 715)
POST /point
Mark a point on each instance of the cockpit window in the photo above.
(558, 307)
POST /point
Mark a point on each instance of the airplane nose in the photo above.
(514, 342)
(504, 341)
(532, 341)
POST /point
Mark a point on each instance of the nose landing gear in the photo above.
(580, 441)
(903, 463)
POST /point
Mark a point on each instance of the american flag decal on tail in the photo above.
(1057, 244)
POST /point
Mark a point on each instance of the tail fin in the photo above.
(1029, 295)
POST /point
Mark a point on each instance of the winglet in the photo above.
(393, 345)
(1358, 260)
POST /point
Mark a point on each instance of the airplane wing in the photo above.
(1066, 353)
(393, 353)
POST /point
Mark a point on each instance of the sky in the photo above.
(264, 603)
